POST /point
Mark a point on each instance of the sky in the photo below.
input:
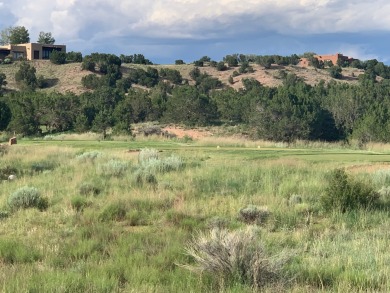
(167, 30)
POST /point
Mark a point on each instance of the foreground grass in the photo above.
(111, 228)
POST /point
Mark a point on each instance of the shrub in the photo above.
(235, 256)
(346, 193)
(12, 252)
(27, 197)
(143, 176)
(89, 156)
(40, 166)
(6, 171)
(78, 203)
(294, 200)
(89, 188)
(4, 214)
(113, 212)
(147, 154)
(114, 168)
(57, 57)
(254, 215)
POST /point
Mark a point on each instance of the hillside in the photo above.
(63, 78)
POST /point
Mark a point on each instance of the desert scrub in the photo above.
(252, 214)
(143, 176)
(78, 203)
(88, 156)
(113, 212)
(113, 168)
(90, 188)
(147, 154)
(6, 171)
(236, 256)
(343, 193)
(27, 197)
(41, 166)
(12, 251)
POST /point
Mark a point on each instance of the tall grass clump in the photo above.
(90, 188)
(27, 197)
(44, 165)
(114, 168)
(12, 252)
(236, 256)
(343, 193)
(113, 212)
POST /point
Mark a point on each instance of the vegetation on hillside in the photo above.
(117, 98)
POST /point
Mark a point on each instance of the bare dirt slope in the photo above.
(63, 78)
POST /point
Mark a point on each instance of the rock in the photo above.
(12, 177)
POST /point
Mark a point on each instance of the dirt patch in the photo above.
(193, 133)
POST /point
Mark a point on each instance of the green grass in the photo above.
(130, 237)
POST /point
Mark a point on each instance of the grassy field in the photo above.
(129, 216)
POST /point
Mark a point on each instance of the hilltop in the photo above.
(67, 77)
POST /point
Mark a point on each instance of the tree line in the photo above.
(294, 110)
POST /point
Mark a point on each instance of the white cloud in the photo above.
(189, 18)
(83, 21)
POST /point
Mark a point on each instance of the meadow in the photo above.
(180, 215)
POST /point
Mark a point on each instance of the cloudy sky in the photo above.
(166, 30)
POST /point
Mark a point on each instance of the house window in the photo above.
(18, 55)
(46, 52)
(36, 54)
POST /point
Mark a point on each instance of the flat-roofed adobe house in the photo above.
(30, 51)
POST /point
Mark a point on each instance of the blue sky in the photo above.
(166, 30)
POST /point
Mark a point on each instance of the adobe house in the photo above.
(29, 51)
(304, 62)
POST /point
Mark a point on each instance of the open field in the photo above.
(117, 216)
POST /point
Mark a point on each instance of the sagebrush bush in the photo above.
(235, 256)
(89, 156)
(27, 197)
(45, 165)
(147, 154)
(114, 168)
(254, 215)
(89, 188)
(381, 177)
(344, 192)
(143, 176)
